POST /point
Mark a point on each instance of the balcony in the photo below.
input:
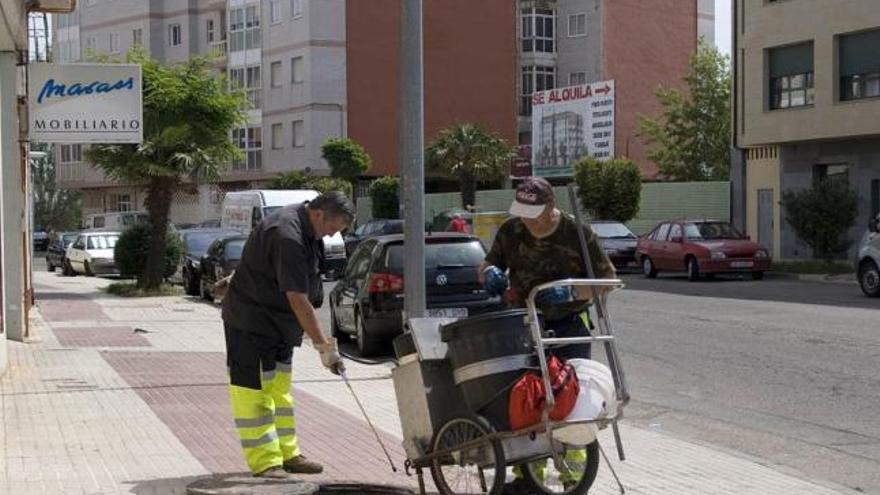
(217, 50)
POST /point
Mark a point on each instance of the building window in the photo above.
(174, 35)
(250, 141)
(250, 79)
(837, 173)
(296, 8)
(859, 65)
(137, 36)
(91, 44)
(275, 11)
(71, 153)
(114, 42)
(244, 29)
(791, 76)
(537, 30)
(209, 30)
(299, 137)
(121, 202)
(577, 78)
(275, 74)
(277, 136)
(577, 25)
(296, 70)
(535, 78)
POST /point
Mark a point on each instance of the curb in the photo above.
(846, 279)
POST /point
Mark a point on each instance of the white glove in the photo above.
(330, 357)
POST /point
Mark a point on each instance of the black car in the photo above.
(57, 249)
(220, 260)
(619, 243)
(368, 299)
(195, 245)
(373, 228)
(40, 238)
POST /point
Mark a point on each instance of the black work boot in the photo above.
(301, 465)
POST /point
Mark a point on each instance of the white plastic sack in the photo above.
(596, 400)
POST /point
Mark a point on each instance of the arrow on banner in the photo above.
(605, 90)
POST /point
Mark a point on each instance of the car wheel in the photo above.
(366, 345)
(204, 291)
(869, 278)
(693, 269)
(648, 268)
(757, 275)
(190, 283)
(88, 269)
(49, 265)
(335, 331)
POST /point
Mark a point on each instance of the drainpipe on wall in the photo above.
(738, 170)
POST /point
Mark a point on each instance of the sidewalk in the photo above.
(93, 406)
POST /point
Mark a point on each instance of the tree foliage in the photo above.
(189, 113)
(470, 154)
(348, 160)
(385, 193)
(690, 140)
(821, 215)
(609, 190)
(297, 179)
(55, 209)
(130, 252)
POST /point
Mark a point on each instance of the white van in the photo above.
(242, 210)
(116, 220)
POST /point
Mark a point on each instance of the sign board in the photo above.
(85, 103)
(570, 123)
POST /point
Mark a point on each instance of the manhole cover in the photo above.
(362, 489)
(245, 484)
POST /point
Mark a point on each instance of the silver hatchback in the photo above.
(869, 259)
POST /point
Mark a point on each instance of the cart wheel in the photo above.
(574, 478)
(476, 469)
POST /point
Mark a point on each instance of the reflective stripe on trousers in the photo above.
(265, 419)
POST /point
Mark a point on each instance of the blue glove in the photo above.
(495, 281)
(554, 295)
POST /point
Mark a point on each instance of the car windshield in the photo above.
(199, 242)
(233, 249)
(67, 239)
(440, 255)
(101, 241)
(270, 210)
(612, 231)
(710, 231)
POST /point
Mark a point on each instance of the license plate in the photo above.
(742, 264)
(447, 313)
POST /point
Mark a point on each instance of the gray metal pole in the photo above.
(412, 159)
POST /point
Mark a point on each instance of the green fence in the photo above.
(660, 201)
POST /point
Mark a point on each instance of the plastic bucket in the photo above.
(596, 400)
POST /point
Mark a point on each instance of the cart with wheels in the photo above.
(452, 414)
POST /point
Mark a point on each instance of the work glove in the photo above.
(554, 295)
(494, 280)
(330, 357)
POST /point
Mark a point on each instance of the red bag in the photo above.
(527, 397)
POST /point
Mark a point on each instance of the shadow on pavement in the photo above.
(780, 288)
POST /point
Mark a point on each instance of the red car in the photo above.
(700, 247)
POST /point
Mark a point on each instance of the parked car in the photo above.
(116, 220)
(210, 224)
(220, 260)
(619, 242)
(92, 254)
(195, 244)
(368, 299)
(700, 247)
(372, 228)
(55, 253)
(40, 239)
(869, 259)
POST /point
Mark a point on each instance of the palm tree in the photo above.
(470, 154)
(189, 113)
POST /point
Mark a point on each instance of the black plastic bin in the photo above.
(490, 338)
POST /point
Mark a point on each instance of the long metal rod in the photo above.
(364, 412)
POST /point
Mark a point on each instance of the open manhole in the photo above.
(245, 484)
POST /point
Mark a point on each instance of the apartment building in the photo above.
(313, 70)
(640, 45)
(806, 102)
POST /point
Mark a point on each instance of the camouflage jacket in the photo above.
(533, 261)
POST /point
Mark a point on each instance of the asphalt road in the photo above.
(785, 371)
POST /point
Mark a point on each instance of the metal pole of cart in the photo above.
(604, 322)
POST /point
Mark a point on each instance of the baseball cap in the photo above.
(532, 196)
